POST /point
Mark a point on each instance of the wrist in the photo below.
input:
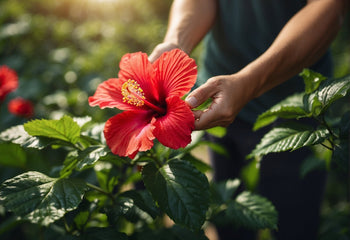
(261, 74)
(250, 83)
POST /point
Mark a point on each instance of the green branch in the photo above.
(98, 189)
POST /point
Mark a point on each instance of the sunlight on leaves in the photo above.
(39, 198)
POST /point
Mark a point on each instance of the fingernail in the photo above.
(192, 101)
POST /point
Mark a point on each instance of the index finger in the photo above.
(207, 119)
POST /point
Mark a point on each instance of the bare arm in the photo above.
(189, 21)
(302, 41)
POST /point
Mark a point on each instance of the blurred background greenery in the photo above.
(62, 49)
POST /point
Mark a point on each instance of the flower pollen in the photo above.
(133, 93)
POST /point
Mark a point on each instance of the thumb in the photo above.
(160, 49)
(154, 55)
(200, 95)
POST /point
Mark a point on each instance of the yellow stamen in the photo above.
(133, 93)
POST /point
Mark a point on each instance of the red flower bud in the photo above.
(21, 107)
(8, 81)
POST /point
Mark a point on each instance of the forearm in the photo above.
(303, 40)
(189, 21)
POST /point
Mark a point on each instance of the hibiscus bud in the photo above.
(21, 107)
(8, 81)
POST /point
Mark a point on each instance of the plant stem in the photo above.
(157, 161)
(154, 156)
(68, 229)
(110, 195)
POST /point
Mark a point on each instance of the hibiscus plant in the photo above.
(330, 127)
(325, 106)
(119, 179)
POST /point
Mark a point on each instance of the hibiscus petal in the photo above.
(136, 66)
(175, 73)
(174, 129)
(130, 132)
(109, 95)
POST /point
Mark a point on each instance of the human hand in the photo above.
(229, 95)
(161, 48)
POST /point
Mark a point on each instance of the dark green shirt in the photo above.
(244, 29)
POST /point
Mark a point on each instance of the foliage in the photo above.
(323, 103)
(61, 182)
(91, 187)
(63, 49)
(319, 95)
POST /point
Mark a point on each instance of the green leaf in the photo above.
(134, 206)
(80, 160)
(328, 92)
(81, 219)
(223, 192)
(126, 208)
(312, 80)
(65, 129)
(316, 106)
(180, 190)
(199, 164)
(70, 163)
(143, 200)
(12, 155)
(310, 164)
(89, 156)
(253, 211)
(217, 131)
(218, 148)
(250, 174)
(291, 107)
(333, 90)
(18, 135)
(289, 137)
(39, 198)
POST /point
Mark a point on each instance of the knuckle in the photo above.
(216, 82)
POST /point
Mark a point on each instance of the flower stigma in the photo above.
(133, 93)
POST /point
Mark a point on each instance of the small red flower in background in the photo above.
(150, 95)
(21, 107)
(8, 81)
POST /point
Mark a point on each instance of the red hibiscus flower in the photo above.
(8, 81)
(150, 95)
(21, 107)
